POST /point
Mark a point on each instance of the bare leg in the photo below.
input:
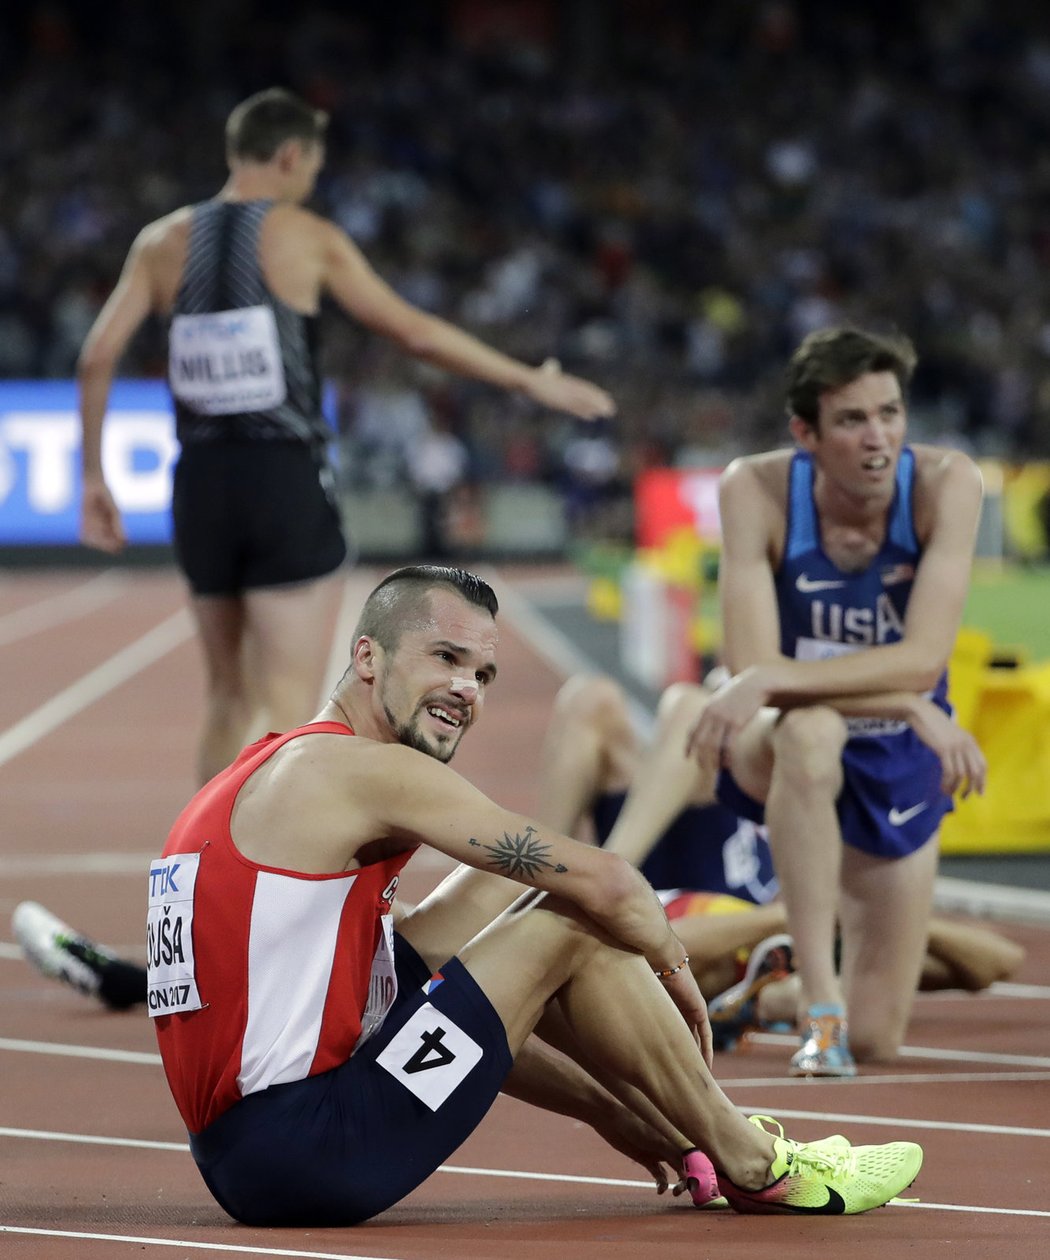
(806, 841)
(712, 941)
(666, 779)
(885, 918)
(291, 635)
(221, 624)
(555, 952)
(966, 956)
(589, 748)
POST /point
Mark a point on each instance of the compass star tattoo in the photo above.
(520, 855)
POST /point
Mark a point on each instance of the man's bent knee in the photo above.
(681, 703)
(808, 743)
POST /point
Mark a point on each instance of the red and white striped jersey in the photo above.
(258, 975)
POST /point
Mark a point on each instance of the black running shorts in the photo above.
(254, 514)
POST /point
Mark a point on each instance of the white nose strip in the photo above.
(464, 684)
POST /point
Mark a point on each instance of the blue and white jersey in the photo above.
(891, 801)
(826, 611)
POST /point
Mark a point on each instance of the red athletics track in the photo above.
(98, 708)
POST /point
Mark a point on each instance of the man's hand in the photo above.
(963, 766)
(549, 386)
(631, 1136)
(725, 716)
(100, 523)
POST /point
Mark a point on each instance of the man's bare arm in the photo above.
(363, 294)
(120, 318)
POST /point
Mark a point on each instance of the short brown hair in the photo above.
(257, 127)
(833, 357)
(402, 600)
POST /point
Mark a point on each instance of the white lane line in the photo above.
(898, 1122)
(922, 1052)
(194, 1245)
(965, 1207)
(903, 1078)
(1005, 989)
(992, 901)
(128, 662)
(87, 1139)
(65, 606)
(19, 1046)
(511, 1173)
(64, 864)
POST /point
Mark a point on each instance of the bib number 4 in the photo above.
(430, 1056)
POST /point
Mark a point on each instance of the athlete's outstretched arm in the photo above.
(363, 294)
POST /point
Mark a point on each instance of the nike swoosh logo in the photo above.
(898, 817)
(807, 585)
(835, 1206)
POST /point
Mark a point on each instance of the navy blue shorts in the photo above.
(251, 515)
(344, 1145)
(891, 801)
(707, 848)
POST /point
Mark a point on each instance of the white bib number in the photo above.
(226, 362)
(382, 984)
(171, 974)
(430, 1056)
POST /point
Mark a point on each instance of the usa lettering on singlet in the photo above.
(227, 362)
(828, 612)
(170, 968)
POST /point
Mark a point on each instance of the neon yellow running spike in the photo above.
(829, 1177)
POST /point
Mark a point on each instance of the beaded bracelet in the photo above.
(671, 971)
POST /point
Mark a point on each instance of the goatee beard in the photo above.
(408, 735)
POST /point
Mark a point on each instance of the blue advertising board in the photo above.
(40, 461)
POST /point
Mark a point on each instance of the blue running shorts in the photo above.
(344, 1145)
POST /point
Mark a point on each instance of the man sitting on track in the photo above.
(325, 1063)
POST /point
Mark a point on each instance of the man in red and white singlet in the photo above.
(325, 1063)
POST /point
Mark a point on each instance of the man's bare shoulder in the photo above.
(939, 461)
(162, 232)
(287, 217)
(948, 487)
(765, 473)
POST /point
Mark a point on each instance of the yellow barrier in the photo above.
(1008, 711)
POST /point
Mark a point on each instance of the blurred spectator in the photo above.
(438, 467)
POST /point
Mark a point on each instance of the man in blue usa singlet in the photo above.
(845, 568)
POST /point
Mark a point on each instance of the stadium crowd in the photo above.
(664, 195)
